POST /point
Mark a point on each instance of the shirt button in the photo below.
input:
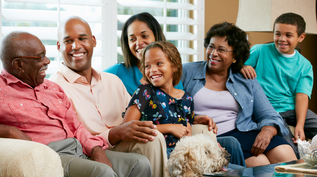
(235, 93)
(251, 100)
(0, 88)
(21, 104)
(60, 102)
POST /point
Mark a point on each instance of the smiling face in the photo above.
(76, 45)
(158, 68)
(139, 36)
(219, 62)
(32, 70)
(286, 37)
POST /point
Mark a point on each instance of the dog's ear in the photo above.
(189, 156)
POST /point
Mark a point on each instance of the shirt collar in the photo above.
(72, 77)
(201, 71)
(11, 79)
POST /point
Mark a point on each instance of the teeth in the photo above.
(140, 50)
(78, 55)
(155, 77)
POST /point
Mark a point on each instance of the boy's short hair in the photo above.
(292, 19)
(172, 55)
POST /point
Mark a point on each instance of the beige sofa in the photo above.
(27, 158)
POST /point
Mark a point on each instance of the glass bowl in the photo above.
(306, 153)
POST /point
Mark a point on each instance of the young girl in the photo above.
(169, 108)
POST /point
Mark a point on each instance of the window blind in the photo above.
(182, 22)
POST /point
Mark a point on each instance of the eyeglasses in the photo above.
(221, 50)
(40, 58)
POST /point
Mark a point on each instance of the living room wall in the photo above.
(227, 10)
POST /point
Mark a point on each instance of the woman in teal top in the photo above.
(139, 31)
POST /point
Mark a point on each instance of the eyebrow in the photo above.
(141, 33)
(67, 37)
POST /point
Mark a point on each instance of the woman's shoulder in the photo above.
(114, 69)
(195, 64)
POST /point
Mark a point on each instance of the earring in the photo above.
(234, 61)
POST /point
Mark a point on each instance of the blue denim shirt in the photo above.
(255, 110)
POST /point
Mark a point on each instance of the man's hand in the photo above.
(248, 72)
(299, 134)
(203, 119)
(263, 140)
(141, 131)
(99, 155)
(13, 132)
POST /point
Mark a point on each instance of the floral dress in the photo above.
(157, 106)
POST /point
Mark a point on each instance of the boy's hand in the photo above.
(248, 72)
(299, 134)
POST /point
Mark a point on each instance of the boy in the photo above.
(285, 75)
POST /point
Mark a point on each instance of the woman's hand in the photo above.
(248, 72)
(263, 140)
(203, 119)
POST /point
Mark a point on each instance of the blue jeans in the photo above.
(233, 146)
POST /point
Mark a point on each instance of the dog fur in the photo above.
(195, 155)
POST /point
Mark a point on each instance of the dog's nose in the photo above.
(228, 156)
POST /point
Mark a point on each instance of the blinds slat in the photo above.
(68, 2)
(161, 20)
(180, 36)
(155, 4)
(45, 15)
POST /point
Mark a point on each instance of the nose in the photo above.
(47, 60)
(228, 156)
(76, 44)
(214, 52)
(139, 42)
(153, 69)
(282, 37)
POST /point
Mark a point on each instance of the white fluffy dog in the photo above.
(196, 155)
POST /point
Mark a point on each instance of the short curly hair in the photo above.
(236, 38)
(292, 19)
(173, 56)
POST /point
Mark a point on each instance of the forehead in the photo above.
(31, 45)
(75, 27)
(154, 53)
(285, 27)
(138, 27)
(217, 40)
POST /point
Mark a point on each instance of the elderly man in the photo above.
(40, 109)
(100, 98)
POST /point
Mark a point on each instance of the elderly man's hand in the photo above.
(99, 155)
(203, 119)
(263, 140)
(13, 132)
(141, 131)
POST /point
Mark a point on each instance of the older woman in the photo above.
(237, 105)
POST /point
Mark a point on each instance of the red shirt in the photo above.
(43, 113)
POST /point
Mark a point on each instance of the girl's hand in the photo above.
(179, 130)
(189, 129)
